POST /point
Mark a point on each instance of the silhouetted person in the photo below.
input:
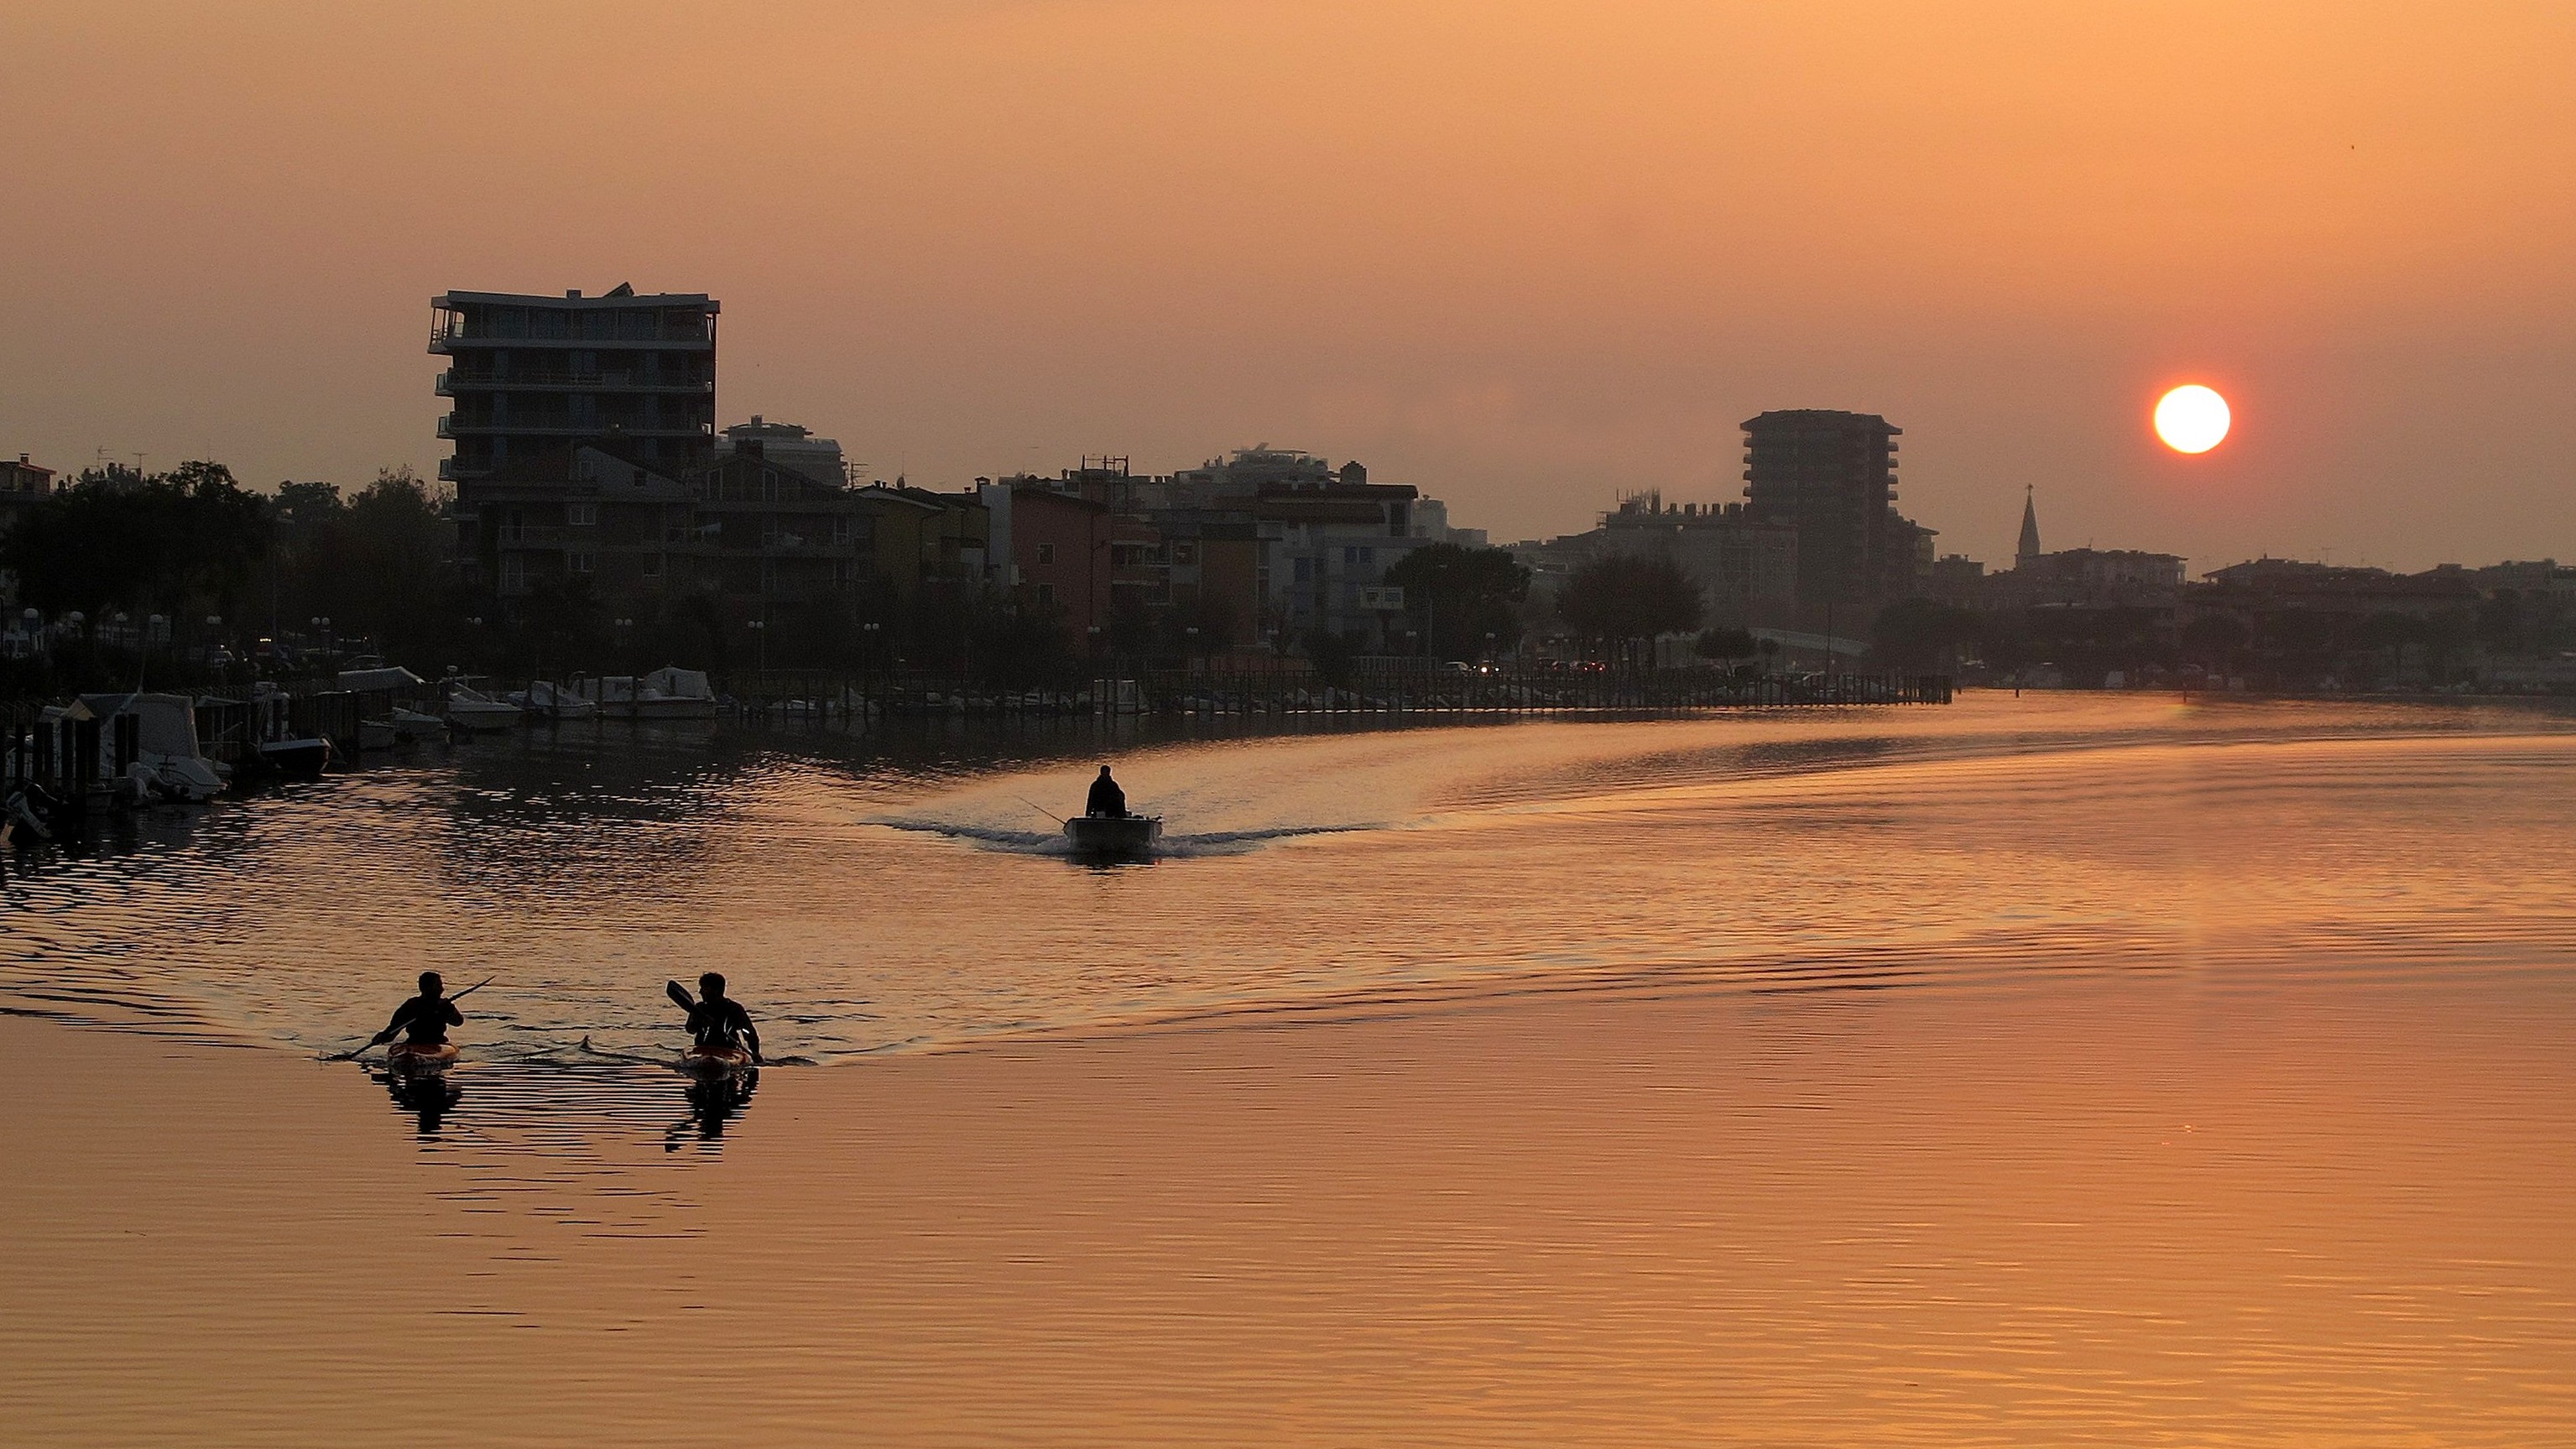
(1106, 798)
(717, 1023)
(425, 1017)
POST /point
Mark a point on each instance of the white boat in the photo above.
(470, 709)
(554, 702)
(411, 724)
(167, 764)
(381, 725)
(667, 693)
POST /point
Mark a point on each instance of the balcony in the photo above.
(484, 379)
(448, 341)
(456, 470)
(542, 535)
(451, 426)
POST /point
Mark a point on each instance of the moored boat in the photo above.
(149, 749)
(471, 709)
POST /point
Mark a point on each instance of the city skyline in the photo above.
(1524, 262)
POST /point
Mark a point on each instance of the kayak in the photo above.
(404, 1057)
(1126, 836)
(715, 1061)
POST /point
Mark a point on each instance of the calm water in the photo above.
(2065, 1069)
(874, 904)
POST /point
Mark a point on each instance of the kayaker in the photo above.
(1106, 798)
(717, 1022)
(426, 1016)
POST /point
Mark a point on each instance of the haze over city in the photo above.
(1525, 258)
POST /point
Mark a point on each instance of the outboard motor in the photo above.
(21, 812)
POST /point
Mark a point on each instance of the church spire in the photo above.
(2029, 550)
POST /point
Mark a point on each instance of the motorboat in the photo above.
(667, 693)
(302, 756)
(554, 702)
(412, 724)
(1113, 837)
(471, 709)
(272, 740)
(381, 723)
(165, 762)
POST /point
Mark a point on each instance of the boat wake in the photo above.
(1170, 846)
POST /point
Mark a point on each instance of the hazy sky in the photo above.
(1524, 256)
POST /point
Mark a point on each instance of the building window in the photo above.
(1185, 553)
(652, 565)
(1046, 553)
(1305, 570)
(580, 562)
(581, 515)
(1046, 596)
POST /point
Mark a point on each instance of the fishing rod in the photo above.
(1041, 809)
(359, 1050)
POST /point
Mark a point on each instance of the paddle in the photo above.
(360, 1050)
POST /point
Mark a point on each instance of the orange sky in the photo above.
(1524, 256)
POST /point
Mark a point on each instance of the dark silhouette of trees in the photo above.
(1725, 644)
(184, 542)
(1623, 600)
(1923, 634)
(1333, 656)
(378, 564)
(1461, 595)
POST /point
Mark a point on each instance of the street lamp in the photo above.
(760, 633)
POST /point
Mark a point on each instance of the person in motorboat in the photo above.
(425, 1017)
(1106, 798)
(717, 1022)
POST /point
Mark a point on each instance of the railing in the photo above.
(450, 427)
(485, 378)
(543, 535)
(442, 340)
(1289, 688)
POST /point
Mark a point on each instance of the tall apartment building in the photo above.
(534, 380)
(1832, 476)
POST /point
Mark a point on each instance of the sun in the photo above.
(2192, 419)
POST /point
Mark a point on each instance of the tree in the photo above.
(183, 541)
(1923, 634)
(2213, 641)
(1622, 599)
(378, 563)
(1724, 644)
(1461, 595)
(1333, 656)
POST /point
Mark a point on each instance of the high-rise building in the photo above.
(532, 377)
(550, 391)
(1832, 476)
